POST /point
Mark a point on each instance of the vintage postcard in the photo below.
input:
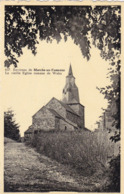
(61, 96)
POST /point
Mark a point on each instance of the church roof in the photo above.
(59, 116)
(68, 108)
(55, 113)
(30, 130)
(70, 70)
(70, 73)
(39, 110)
(74, 102)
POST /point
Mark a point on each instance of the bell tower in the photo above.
(71, 97)
(70, 91)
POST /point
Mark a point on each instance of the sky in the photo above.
(26, 94)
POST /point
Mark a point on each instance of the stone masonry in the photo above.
(65, 115)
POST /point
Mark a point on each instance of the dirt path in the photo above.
(28, 171)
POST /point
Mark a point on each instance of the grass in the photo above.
(61, 161)
(87, 152)
(25, 170)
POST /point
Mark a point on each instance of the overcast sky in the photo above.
(26, 94)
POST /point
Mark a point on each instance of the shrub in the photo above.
(87, 152)
(114, 175)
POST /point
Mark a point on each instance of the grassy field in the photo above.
(27, 171)
(87, 152)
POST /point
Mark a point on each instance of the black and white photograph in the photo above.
(62, 88)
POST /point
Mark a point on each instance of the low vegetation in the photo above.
(87, 152)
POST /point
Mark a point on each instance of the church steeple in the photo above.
(70, 70)
(70, 91)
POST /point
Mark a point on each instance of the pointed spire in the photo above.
(70, 70)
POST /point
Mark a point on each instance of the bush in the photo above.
(87, 152)
(114, 175)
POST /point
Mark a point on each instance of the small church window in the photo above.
(35, 132)
(65, 128)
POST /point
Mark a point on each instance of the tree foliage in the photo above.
(106, 30)
(107, 37)
(11, 128)
(115, 174)
(23, 24)
(106, 34)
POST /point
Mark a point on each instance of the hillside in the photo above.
(26, 171)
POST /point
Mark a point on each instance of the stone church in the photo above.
(67, 114)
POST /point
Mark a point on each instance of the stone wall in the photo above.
(72, 117)
(75, 107)
(55, 105)
(82, 114)
(79, 109)
(65, 126)
(44, 120)
(57, 123)
(45, 124)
